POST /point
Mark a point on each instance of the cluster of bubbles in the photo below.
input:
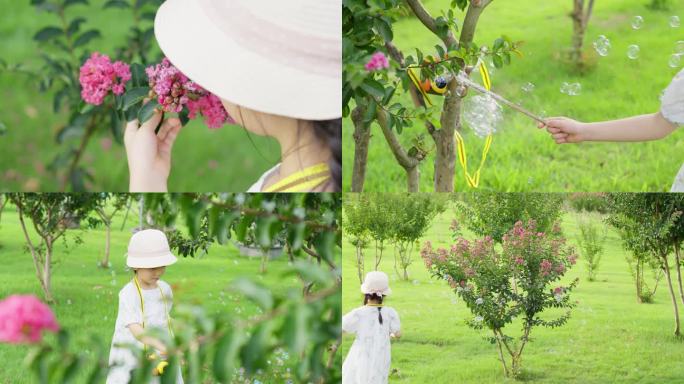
(602, 45)
(571, 89)
(528, 87)
(482, 114)
(676, 58)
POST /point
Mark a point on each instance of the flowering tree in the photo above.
(107, 207)
(484, 278)
(367, 41)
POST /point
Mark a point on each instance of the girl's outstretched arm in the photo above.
(637, 128)
(138, 332)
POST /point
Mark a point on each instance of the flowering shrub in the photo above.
(378, 61)
(166, 86)
(24, 318)
(99, 75)
(521, 280)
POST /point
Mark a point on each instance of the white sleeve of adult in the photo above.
(672, 100)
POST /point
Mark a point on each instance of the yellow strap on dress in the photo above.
(303, 181)
(142, 308)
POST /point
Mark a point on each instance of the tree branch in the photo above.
(429, 22)
(475, 8)
(399, 153)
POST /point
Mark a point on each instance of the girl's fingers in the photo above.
(558, 136)
(131, 128)
(553, 130)
(151, 124)
(166, 127)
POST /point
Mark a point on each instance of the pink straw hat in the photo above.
(274, 56)
(149, 248)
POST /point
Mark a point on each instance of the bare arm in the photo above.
(138, 332)
(637, 128)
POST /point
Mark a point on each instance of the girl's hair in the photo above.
(375, 297)
(330, 133)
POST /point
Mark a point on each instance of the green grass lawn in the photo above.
(87, 296)
(610, 338)
(203, 159)
(522, 158)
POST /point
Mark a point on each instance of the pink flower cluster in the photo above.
(377, 62)
(23, 318)
(99, 75)
(174, 90)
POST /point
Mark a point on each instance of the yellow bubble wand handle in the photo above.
(473, 180)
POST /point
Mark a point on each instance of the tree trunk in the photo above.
(361, 141)
(501, 355)
(679, 271)
(666, 268)
(105, 261)
(360, 262)
(47, 271)
(577, 31)
(639, 282)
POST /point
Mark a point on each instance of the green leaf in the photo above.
(132, 112)
(498, 43)
(116, 125)
(75, 128)
(147, 110)
(324, 243)
(183, 116)
(134, 96)
(116, 4)
(59, 96)
(371, 111)
(86, 37)
(138, 75)
(497, 61)
(48, 33)
(255, 292)
(75, 25)
(384, 29)
(68, 3)
(373, 88)
(294, 331)
(312, 272)
(227, 350)
(254, 354)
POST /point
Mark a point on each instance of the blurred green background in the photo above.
(227, 159)
(523, 158)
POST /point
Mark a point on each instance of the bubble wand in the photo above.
(462, 78)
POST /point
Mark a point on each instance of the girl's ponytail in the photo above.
(375, 297)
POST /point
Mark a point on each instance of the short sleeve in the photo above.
(394, 325)
(350, 322)
(129, 310)
(672, 100)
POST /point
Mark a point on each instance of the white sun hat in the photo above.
(274, 56)
(149, 248)
(376, 282)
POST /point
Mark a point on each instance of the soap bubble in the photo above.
(679, 47)
(674, 21)
(675, 61)
(602, 45)
(637, 22)
(415, 282)
(528, 87)
(482, 114)
(461, 90)
(571, 89)
(633, 51)
(68, 301)
(575, 89)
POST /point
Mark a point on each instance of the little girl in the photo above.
(145, 302)
(368, 360)
(637, 128)
(277, 68)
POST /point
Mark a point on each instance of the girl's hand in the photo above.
(564, 130)
(149, 153)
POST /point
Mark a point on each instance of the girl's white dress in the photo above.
(256, 187)
(122, 360)
(672, 108)
(368, 360)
